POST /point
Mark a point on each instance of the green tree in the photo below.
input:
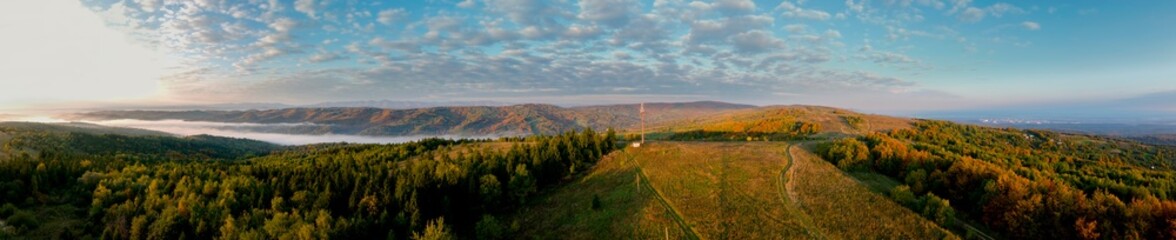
(436, 230)
(488, 228)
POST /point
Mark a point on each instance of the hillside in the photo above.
(68, 140)
(690, 190)
(506, 120)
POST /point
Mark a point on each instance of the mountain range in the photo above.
(458, 120)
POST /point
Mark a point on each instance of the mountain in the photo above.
(470, 120)
(389, 104)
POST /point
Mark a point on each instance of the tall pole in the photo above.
(642, 123)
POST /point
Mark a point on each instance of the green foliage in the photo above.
(489, 228)
(847, 154)
(23, 220)
(855, 122)
(7, 210)
(903, 195)
(937, 209)
(436, 230)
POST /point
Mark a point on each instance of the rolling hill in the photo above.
(506, 120)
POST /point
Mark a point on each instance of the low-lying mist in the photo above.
(241, 130)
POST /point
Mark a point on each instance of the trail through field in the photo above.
(726, 190)
(787, 195)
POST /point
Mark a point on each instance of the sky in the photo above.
(891, 55)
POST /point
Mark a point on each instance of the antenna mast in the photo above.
(643, 123)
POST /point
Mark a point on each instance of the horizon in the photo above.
(883, 57)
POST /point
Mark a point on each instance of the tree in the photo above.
(938, 210)
(436, 230)
(490, 189)
(903, 195)
(488, 228)
(521, 183)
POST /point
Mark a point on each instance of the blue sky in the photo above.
(871, 55)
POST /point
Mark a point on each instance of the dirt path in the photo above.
(789, 196)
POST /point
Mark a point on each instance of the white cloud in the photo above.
(795, 28)
(148, 5)
(756, 42)
(388, 16)
(306, 6)
(972, 14)
(466, 4)
(325, 57)
(1031, 25)
(793, 11)
(1000, 9)
(614, 13)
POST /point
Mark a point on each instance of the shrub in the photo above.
(24, 219)
(7, 210)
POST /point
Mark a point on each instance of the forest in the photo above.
(56, 187)
(1022, 184)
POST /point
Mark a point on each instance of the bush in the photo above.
(23, 219)
(7, 210)
(488, 228)
(595, 202)
(903, 195)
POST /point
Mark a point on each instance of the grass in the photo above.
(725, 190)
(844, 209)
(629, 207)
(720, 190)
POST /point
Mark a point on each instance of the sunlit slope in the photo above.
(628, 207)
(824, 121)
(847, 209)
(734, 190)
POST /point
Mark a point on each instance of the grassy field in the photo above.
(629, 207)
(846, 209)
(718, 190)
(726, 190)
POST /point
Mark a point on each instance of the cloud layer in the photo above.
(323, 50)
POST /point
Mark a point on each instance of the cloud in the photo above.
(388, 16)
(325, 57)
(793, 11)
(975, 14)
(795, 28)
(1030, 25)
(613, 13)
(306, 6)
(466, 4)
(522, 48)
(756, 42)
(972, 14)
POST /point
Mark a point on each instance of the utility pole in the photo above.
(643, 123)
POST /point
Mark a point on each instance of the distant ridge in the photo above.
(520, 119)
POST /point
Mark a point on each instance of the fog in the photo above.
(235, 130)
